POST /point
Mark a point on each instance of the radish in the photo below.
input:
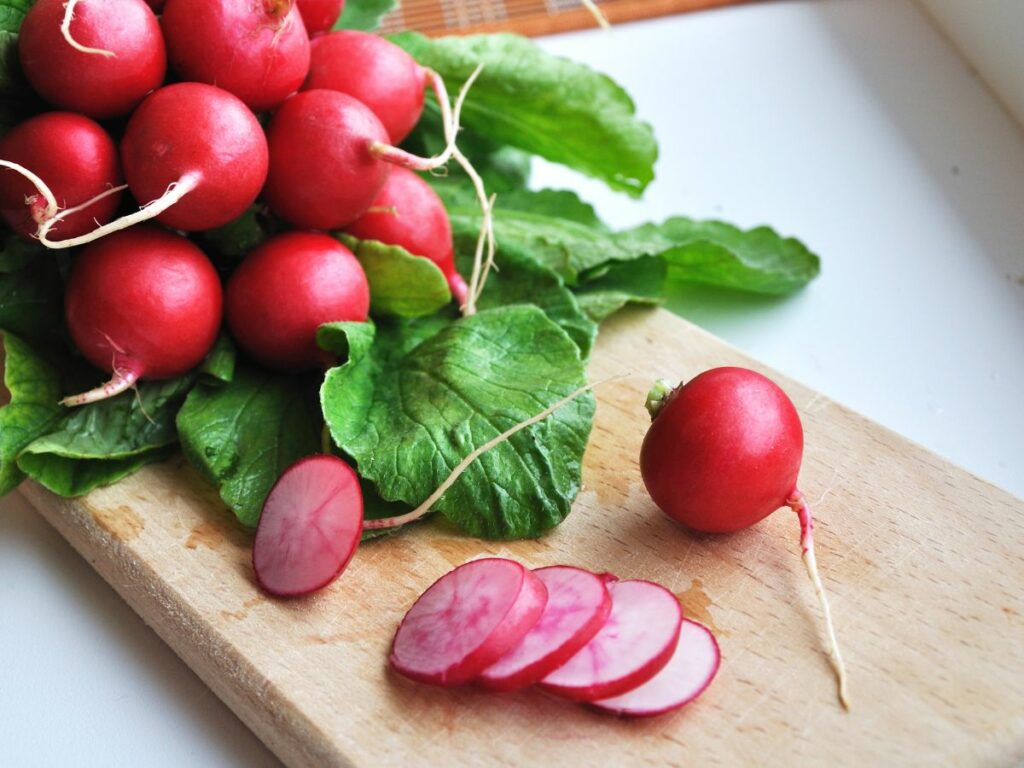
(578, 606)
(96, 57)
(144, 303)
(467, 620)
(723, 451)
(407, 212)
(309, 528)
(634, 644)
(286, 289)
(690, 670)
(320, 15)
(74, 160)
(256, 49)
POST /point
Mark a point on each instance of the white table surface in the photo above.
(852, 124)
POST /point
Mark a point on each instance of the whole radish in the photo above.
(285, 290)
(407, 212)
(256, 49)
(96, 57)
(142, 304)
(75, 159)
(723, 451)
(320, 15)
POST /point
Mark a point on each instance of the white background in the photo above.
(852, 124)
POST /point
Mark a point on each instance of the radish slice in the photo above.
(467, 620)
(632, 647)
(578, 606)
(689, 671)
(310, 527)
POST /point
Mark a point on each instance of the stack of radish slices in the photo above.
(619, 646)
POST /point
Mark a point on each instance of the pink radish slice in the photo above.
(467, 620)
(690, 670)
(310, 527)
(578, 606)
(634, 644)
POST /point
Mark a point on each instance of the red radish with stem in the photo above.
(286, 289)
(320, 15)
(141, 304)
(408, 213)
(690, 670)
(578, 606)
(467, 620)
(723, 451)
(256, 49)
(309, 528)
(635, 643)
(96, 57)
(74, 159)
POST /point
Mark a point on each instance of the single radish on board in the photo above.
(96, 57)
(286, 289)
(320, 15)
(407, 212)
(634, 644)
(467, 620)
(578, 606)
(723, 451)
(257, 50)
(74, 158)
(690, 670)
(143, 303)
(309, 528)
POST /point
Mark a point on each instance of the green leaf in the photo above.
(641, 281)
(364, 14)
(235, 239)
(31, 303)
(351, 341)
(554, 203)
(219, 365)
(12, 13)
(75, 477)
(401, 284)
(19, 253)
(421, 409)
(243, 434)
(544, 104)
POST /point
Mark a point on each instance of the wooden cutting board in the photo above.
(923, 562)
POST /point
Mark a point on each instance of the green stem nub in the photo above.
(659, 395)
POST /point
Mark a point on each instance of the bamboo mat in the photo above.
(527, 17)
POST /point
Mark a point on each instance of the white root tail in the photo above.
(52, 207)
(65, 30)
(597, 13)
(124, 378)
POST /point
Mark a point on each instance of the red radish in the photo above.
(690, 670)
(723, 452)
(309, 528)
(144, 303)
(286, 289)
(320, 15)
(101, 63)
(408, 213)
(634, 644)
(467, 620)
(256, 49)
(578, 606)
(374, 70)
(74, 158)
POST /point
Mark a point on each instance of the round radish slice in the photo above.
(634, 644)
(689, 671)
(310, 527)
(578, 605)
(467, 620)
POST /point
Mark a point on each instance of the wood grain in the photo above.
(923, 562)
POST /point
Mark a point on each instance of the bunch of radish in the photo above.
(618, 646)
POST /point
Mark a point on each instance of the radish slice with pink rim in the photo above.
(310, 527)
(467, 620)
(690, 670)
(635, 643)
(578, 606)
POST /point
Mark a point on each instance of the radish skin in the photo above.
(320, 15)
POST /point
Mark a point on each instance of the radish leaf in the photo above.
(400, 283)
(364, 14)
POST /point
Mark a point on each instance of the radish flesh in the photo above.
(467, 620)
(634, 644)
(690, 670)
(309, 528)
(578, 606)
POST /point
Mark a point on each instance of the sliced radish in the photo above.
(689, 671)
(467, 620)
(578, 605)
(634, 644)
(310, 526)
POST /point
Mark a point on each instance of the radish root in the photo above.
(798, 503)
(65, 30)
(124, 378)
(51, 208)
(597, 13)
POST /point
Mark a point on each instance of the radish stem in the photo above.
(597, 13)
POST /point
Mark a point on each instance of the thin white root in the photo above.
(597, 13)
(65, 30)
(51, 201)
(122, 380)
